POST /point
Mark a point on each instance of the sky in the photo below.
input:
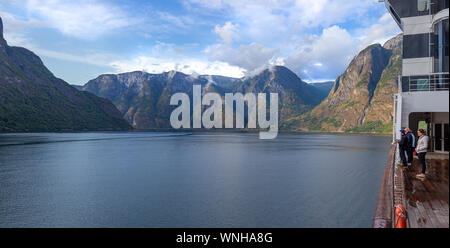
(79, 40)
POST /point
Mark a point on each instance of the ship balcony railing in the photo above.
(432, 82)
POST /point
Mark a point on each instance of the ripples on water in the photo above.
(189, 180)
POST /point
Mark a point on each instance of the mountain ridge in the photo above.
(33, 99)
(143, 98)
(361, 98)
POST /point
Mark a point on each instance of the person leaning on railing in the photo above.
(421, 150)
(411, 145)
(403, 147)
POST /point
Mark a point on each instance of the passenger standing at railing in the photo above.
(411, 145)
(421, 149)
(403, 147)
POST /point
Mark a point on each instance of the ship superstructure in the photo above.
(423, 97)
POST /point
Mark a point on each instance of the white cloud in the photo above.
(181, 22)
(12, 23)
(14, 38)
(295, 13)
(188, 66)
(81, 19)
(228, 32)
(328, 53)
(250, 57)
(378, 32)
(279, 30)
(96, 59)
(329, 12)
(331, 52)
(14, 29)
(253, 34)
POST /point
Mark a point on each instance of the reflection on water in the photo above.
(36, 138)
(182, 180)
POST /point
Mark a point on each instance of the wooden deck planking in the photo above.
(433, 214)
(427, 201)
(413, 220)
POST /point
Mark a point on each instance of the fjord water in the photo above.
(189, 180)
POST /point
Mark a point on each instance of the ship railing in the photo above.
(383, 215)
(432, 82)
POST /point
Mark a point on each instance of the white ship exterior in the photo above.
(423, 96)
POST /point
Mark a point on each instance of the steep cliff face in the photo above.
(33, 99)
(361, 98)
(381, 109)
(143, 98)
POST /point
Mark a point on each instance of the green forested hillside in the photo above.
(33, 99)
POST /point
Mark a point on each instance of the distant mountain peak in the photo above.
(1, 28)
(274, 72)
(278, 68)
(171, 74)
(144, 100)
(394, 43)
(361, 98)
(282, 69)
(2, 40)
(367, 50)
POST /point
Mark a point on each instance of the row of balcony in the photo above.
(432, 82)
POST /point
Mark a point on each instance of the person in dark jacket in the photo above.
(411, 145)
(403, 147)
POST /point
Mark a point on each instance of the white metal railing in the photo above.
(432, 82)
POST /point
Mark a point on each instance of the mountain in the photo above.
(323, 87)
(33, 99)
(361, 99)
(295, 96)
(143, 98)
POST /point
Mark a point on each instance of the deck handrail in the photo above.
(437, 81)
(385, 202)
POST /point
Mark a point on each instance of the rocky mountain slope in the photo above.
(33, 99)
(295, 96)
(143, 98)
(362, 97)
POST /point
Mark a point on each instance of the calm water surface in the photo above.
(182, 180)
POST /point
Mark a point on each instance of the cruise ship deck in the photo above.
(427, 201)
(421, 103)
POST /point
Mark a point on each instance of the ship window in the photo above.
(423, 125)
(423, 5)
(441, 46)
(423, 85)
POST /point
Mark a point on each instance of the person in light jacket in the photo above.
(421, 150)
